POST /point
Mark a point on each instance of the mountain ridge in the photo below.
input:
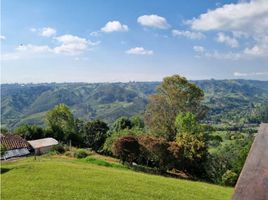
(28, 103)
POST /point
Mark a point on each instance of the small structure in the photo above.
(44, 145)
(15, 146)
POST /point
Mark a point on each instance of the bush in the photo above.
(194, 153)
(155, 153)
(69, 154)
(115, 135)
(81, 153)
(126, 148)
(58, 149)
(229, 178)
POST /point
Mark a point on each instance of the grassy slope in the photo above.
(61, 178)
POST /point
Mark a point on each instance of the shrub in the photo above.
(194, 153)
(115, 135)
(81, 153)
(229, 178)
(69, 154)
(126, 148)
(58, 148)
(155, 153)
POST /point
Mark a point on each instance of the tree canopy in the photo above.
(60, 121)
(175, 95)
(95, 134)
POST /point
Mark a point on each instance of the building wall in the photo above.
(15, 153)
(43, 150)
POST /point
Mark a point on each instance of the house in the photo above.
(15, 145)
(44, 145)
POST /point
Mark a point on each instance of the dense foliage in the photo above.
(175, 95)
(95, 134)
(30, 132)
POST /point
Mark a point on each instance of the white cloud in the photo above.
(33, 29)
(33, 48)
(139, 51)
(2, 37)
(68, 45)
(153, 21)
(245, 19)
(222, 55)
(114, 26)
(9, 56)
(94, 33)
(260, 49)
(72, 45)
(26, 51)
(244, 16)
(225, 39)
(239, 74)
(199, 49)
(47, 32)
(188, 34)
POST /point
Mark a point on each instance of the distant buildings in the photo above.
(16, 146)
(42, 146)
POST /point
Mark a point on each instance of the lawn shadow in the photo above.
(4, 170)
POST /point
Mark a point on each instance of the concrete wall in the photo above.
(43, 150)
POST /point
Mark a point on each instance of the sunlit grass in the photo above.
(93, 178)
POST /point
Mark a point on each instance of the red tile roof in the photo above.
(11, 141)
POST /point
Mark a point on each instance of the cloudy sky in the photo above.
(119, 40)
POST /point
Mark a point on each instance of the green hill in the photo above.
(228, 100)
(63, 179)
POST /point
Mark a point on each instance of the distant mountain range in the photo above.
(228, 100)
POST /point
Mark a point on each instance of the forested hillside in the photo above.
(228, 100)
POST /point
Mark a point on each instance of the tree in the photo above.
(187, 123)
(60, 121)
(193, 153)
(30, 132)
(121, 123)
(229, 178)
(95, 134)
(155, 153)
(115, 135)
(175, 95)
(3, 149)
(126, 148)
(263, 114)
(4, 130)
(137, 122)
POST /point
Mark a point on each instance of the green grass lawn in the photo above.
(64, 179)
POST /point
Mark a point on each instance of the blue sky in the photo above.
(118, 40)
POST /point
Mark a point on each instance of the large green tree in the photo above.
(60, 122)
(175, 95)
(95, 134)
(121, 123)
(30, 132)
